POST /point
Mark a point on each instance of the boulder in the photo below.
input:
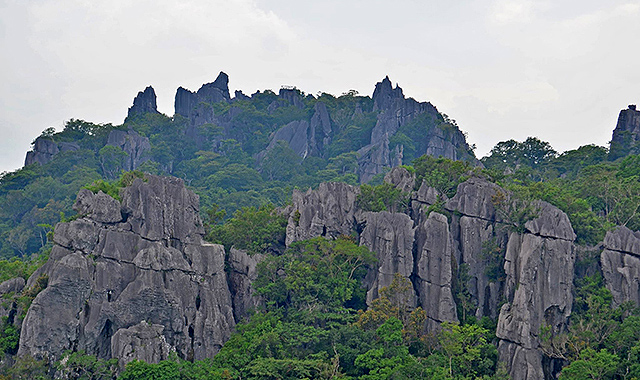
(143, 341)
(99, 207)
(401, 179)
(44, 148)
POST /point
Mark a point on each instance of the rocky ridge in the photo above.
(133, 279)
(429, 248)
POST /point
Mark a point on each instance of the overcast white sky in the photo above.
(558, 70)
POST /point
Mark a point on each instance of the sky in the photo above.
(503, 69)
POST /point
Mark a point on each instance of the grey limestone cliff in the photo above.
(195, 106)
(132, 280)
(45, 148)
(620, 262)
(429, 249)
(539, 268)
(396, 111)
(626, 135)
(328, 211)
(390, 236)
(242, 272)
(137, 148)
(143, 103)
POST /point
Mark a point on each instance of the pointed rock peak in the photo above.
(384, 86)
(216, 91)
(222, 82)
(144, 102)
(384, 94)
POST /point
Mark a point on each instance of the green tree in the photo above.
(595, 365)
(112, 160)
(280, 163)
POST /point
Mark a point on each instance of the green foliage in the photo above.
(598, 365)
(511, 154)
(113, 188)
(603, 342)
(9, 337)
(467, 350)
(252, 229)
(80, 366)
(442, 174)
(21, 267)
(28, 295)
(317, 273)
(281, 163)
(493, 254)
(26, 367)
(383, 197)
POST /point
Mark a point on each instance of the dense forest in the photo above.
(243, 157)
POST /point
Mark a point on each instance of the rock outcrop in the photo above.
(434, 274)
(328, 211)
(390, 236)
(137, 148)
(539, 268)
(396, 111)
(626, 135)
(132, 279)
(144, 103)
(243, 272)
(213, 92)
(45, 148)
(196, 106)
(429, 249)
(620, 262)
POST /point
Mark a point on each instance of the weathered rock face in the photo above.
(243, 271)
(373, 159)
(620, 262)
(401, 179)
(429, 250)
(136, 147)
(143, 341)
(328, 211)
(11, 286)
(626, 135)
(144, 102)
(305, 138)
(433, 270)
(44, 149)
(195, 106)
(539, 268)
(390, 236)
(396, 111)
(132, 280)
(214, 92)
(474, 229)
(296, 134)
(291, 96)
